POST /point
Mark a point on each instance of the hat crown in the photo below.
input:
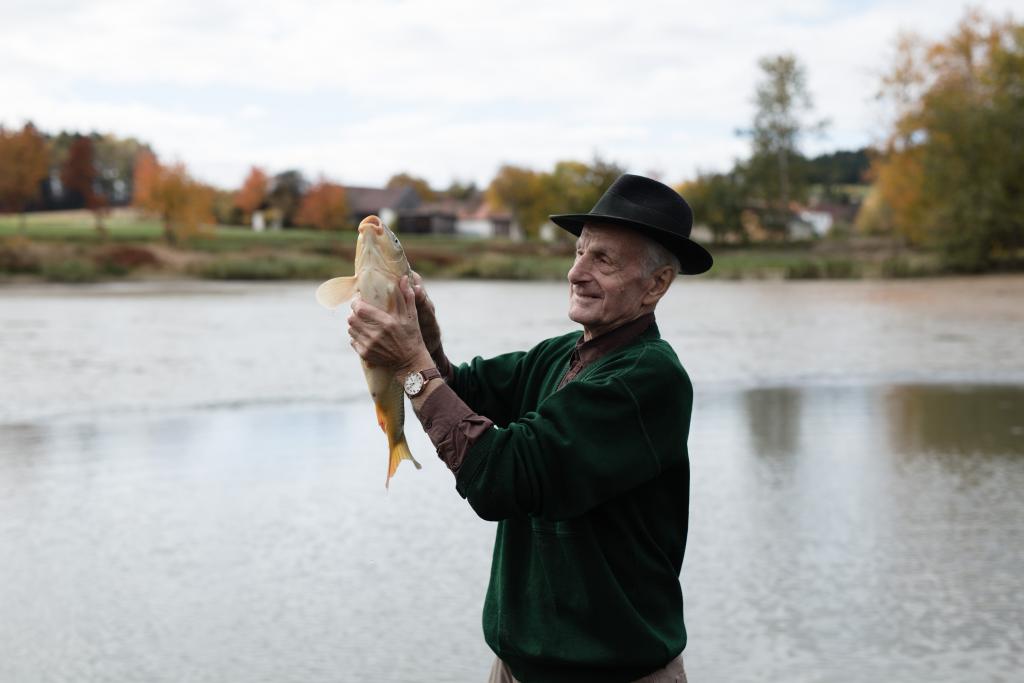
(639, 198)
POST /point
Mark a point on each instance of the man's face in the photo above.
(607, 282)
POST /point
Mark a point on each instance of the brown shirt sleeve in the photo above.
(451, 425)
(444, 366)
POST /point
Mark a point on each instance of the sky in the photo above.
(447, 90)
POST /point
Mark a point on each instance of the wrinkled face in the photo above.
(607, 282)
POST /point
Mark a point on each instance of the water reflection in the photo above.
(773, 416)
(959, 419)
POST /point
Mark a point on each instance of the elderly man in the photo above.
(577, 448)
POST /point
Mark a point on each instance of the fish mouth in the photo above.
(377, 227)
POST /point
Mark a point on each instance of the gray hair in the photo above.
(656, 256)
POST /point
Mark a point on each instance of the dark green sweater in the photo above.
(590, 486)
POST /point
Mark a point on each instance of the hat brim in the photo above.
(693, 258)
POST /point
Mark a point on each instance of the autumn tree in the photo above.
(23, 166)
(253, 193)
(951, 172)
(782, 103)
(575, 186)
(79, 177)
(323, 207)
(144, 177)
(419, 185)
(717, 201)
(182, 203)
(522, 193)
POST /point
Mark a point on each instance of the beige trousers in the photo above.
(672, 673)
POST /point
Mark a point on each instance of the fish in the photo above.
(379, 266)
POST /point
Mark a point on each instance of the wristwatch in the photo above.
(415, 381)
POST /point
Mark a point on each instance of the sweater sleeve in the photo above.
(490, 386)
(596, 438)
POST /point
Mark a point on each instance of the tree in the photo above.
(286, 191)
(23, 166)
(717, 202)
(522, 192)
(951, 172)
(80, 180)
(253, 193)
(182, 203)
(462, 191)
(775, 168)
(115, 164)
(575, 186)
(419, 185)
(323, 207)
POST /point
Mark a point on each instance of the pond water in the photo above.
(191, 485)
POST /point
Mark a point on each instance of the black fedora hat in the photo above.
(650, 207)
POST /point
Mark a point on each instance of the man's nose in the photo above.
(578, 273)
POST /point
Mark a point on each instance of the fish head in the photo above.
(378, 247)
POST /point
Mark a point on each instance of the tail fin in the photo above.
(399, 452)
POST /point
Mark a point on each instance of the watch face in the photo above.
(413, 383)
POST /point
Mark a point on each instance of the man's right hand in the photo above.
(429, 328)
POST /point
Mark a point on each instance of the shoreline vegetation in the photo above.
(65, 247)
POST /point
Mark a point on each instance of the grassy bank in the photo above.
(65, 247)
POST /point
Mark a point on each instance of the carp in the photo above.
(380, 265)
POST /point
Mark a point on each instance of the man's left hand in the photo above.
(389, 339)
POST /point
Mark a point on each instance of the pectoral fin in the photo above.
(335, 291)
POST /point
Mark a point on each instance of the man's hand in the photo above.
(425, 311)
(389, 339)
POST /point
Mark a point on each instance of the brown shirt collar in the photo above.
(590, 351)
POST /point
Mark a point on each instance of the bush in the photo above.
(503, 267)
(269, 268)
(841, 270)
(70, 270)
(121, 260)
(802, 270)
(16, 256)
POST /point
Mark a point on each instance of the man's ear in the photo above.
(661, 279)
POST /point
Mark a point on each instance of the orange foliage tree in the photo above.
(182, 203)
(24, 164)
(253, 193)
(78, 175)
(323, 207)
(949, 174)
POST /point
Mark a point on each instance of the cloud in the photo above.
(450, 88)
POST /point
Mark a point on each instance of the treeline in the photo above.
(69, 170)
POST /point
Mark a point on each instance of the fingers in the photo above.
(366, 312)
(417, 288)
(406, 307)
